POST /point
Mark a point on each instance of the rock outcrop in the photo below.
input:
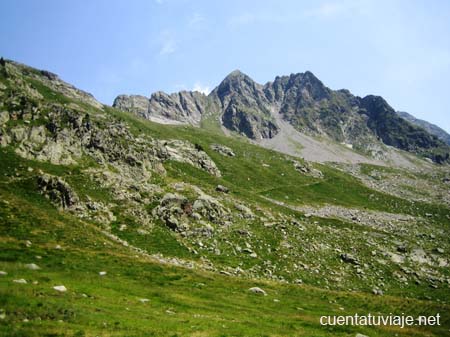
(185, 106)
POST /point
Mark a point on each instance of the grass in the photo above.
(182, 302)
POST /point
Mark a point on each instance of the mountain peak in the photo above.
(236, 73)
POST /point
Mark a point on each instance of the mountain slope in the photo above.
(191, 219)
(246, 107)
(431, 128)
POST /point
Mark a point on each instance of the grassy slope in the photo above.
(182, 302)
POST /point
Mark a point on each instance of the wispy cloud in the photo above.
(324, 10)
(204, 89)
(196, 20)
(253, 18)
(168, 43)
(332, 9)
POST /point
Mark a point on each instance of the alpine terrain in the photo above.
(252, 211)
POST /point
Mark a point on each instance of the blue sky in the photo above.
(397, 49)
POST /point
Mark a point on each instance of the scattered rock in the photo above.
(257, 290)
(221, 188)
(245, 211)
(32, 266)
(377, 291)
(4, 117)
(21, 281)
(439, 250)
(223, 150)
(60, 288)
(348, 258)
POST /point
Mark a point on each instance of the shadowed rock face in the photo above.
(431, 128)
(302, 100)
(245, 108)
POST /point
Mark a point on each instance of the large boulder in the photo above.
(58, 191)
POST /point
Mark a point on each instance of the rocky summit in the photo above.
(254, 209)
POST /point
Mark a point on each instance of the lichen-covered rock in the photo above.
(210, 208)
(223, 150)
(171, 207)
(187, 152)
(58, 191)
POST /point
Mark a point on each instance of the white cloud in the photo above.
(168, 43)
(253, 18)
(196, 20)
(332, 9)
(204, 89)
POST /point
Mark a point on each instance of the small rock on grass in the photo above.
(60, 288)
(257, 290)
(32, 266)
(3, 273)
(21, 281)
(102, 273)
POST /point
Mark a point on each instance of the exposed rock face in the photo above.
(185, 106)
(245, 107)
(395, 131)
(431, 128)
(132, 103)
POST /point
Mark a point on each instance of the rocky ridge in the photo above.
(364, 124)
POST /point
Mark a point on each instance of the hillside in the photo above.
(161, 230)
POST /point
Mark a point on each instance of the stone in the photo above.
(144, 300)
(32, 266)
(3, 273)
(439, 250)
(245, 211)
(102, 273)
(60, 288)
(18, 134)
(4, 117)
(20, 281)
(37, 134)
(223, 150)
(348, 258)
(257, 290)
(221, 188)
(360, 335)
(58, 191)
(377, 291)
